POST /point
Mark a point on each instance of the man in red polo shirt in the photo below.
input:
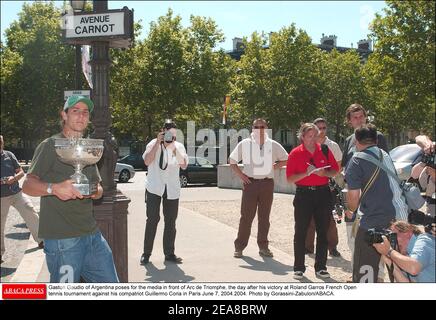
(310, 170)
(332, 231)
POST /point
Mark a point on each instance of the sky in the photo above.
(348, 20)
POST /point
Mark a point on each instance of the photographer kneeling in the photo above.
(425, 172)
(414, 260)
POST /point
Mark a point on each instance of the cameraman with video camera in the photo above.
(414, 259)
(425, 172)
(164, 157)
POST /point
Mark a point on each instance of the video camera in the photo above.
(374, 235)
(428, 159)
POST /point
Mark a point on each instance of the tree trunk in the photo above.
(337, 133)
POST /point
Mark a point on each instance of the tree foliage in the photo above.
(36, 69)
(342, 85)
(177, 72)
(249, 84)
(281, 83)
(172, 73)
(295, 84)
(400, 74)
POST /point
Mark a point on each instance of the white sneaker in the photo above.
(323, 274)
(237, 254)
(298, 275)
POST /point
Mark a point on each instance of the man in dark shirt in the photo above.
(356, 117)
(74, 247)
(11, 195)
(377, 206)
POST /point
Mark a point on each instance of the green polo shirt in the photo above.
(62, 219)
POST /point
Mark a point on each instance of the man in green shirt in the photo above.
(74, 247)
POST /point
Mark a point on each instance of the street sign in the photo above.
(114, 26)
(69, 93)
(94, 25)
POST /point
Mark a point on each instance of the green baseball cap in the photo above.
(73, 100)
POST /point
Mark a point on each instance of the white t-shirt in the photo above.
(334, 148)
(157, 178)
(258, 160)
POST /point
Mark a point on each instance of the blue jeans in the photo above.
(89, 257)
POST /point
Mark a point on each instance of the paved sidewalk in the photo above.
(18, 243)
(206, 247)
(31, 265)
(206, 229)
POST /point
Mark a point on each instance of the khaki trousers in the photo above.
(256, 196)
(27, 211)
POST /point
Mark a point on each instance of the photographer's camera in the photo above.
(374, 235)
(168, 135)
(417, 217)
(428, 160)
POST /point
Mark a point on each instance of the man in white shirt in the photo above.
(260, 155)
(321, 123)
(164, 157)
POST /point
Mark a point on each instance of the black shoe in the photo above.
(323, 274)
(173, 258)
(335, 253)
(266, 253)
(144, 259)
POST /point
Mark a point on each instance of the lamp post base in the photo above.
(111, 215)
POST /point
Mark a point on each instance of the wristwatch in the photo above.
(49, 189)
(389, 252)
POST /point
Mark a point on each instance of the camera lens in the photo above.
(168, 137)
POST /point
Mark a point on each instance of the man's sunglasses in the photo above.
(258, 127)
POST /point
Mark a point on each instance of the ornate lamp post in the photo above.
(78, 6)
(102, 29)
(111, 213)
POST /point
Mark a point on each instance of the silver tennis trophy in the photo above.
(80, 152)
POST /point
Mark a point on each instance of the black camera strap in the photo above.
(356, 222)
(391, 271)
(369, 183)
(163, 150)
